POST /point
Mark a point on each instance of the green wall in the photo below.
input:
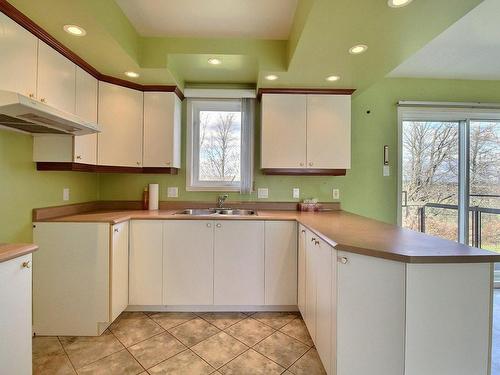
(22, 188)
(364, 190)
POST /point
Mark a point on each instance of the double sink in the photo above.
(216, 211)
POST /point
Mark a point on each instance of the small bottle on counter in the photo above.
(145, 199)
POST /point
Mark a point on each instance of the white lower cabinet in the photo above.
(239, 263)
(15, 316)
(188, 262)
(281, 263)
(76, 272)
(145, 262)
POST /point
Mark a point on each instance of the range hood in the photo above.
(22, 113)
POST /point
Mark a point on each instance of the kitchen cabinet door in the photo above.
(188, 262)
(85, 146)
(329, 131)
(370, 315)
(283, 143)
(310, 294)
(18, 62)
(15, 316)
(119, 269)
(162, 130)
(120, 116)
(239, 263)
(281, 263)
(145, 262)
(301, 282)
(56, 79)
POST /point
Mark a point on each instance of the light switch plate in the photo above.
(262, 193)
(335, 194)
(172, 192)
(296, 193)
(66, 194)
(386, 171)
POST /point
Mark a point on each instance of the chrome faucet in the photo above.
(221, 199)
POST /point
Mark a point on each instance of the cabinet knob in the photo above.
(303, 231)
(116, 230)
(138, 163)
(343, 260)
(78, 157)
(316, 242)
(27, 264)
(167, 163)
(209, 225)
(31, 95)
(301, 164)
(310, 163)
(313, 239)
(43, 100)
(218, 225)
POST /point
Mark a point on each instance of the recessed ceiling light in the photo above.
(74, 30)
(357, 49)
(132, 74)
(271, 77)
(332, 78)
(398, 3)
(214, 61)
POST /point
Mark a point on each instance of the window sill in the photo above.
(213, 188)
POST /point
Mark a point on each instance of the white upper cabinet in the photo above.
(284, 131)
(18, 62)
(306, 131)
(56, 79)
(85, 146)
(329, 131)
(120, 117)
(162, 130)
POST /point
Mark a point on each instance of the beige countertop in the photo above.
(343, 230)
(13, 250)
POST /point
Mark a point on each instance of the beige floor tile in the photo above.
(250, 331)
(49, 357)
(185, 363)
(45, 345)
(156, 349)
(223, 320)
(193, 331)
(308, 364)
(219, 349)
(251, 363)
(121, 363)
(281, 348)
(171, 319)
(298, 330)
(275, 319)
(85, 350)
(131, 328)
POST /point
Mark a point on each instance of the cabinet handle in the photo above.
(310, 163)
(78, 157)
(343, 260)
(218, 225)
(316, 242)
(116, 230)
(43, 100)
(313, 239)
(209, 225)
(27, 264)
(303, 231)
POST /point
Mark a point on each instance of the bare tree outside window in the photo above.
(220, 146)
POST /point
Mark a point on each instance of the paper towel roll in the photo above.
(153, 196)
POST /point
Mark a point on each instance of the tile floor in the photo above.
(185, 343)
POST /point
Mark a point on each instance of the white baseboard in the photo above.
(211, 308)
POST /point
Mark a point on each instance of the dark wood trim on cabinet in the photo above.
(79, 167)
(304, 91)
(303, 172)
(21, 19)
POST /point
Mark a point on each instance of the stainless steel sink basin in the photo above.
(216, 211)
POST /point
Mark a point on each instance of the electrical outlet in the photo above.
(296, 193)
(66, 194)
(172, 192)
(336, 194)
(262, 193)
(386, 171)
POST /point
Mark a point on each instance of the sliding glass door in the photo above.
(450, 175)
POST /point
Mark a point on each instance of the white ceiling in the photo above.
(469, 49)
(261, 19)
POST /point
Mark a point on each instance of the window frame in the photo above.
(194, 106)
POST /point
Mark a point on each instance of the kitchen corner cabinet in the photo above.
(15, 315)
(306, 132)
(120, 116)
(18, 62)
(281, 263)
(162, 130)
(56, 79)
(78, 272)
